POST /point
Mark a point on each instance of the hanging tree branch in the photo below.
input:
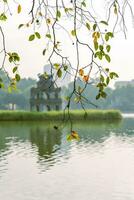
(89, 33)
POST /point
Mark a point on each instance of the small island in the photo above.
(98, 115)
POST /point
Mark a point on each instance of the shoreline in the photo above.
(98, 115)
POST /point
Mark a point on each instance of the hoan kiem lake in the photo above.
(38, 163)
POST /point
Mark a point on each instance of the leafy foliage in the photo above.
(77, 20)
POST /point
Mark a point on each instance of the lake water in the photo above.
(37, 163)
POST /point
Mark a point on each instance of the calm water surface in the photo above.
(37, 163)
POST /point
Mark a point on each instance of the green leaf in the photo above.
(113, 74)
(10, 59)
(73, 32)
(103, 94)
(95, 45)
(116, 75)
(102, 78)
(94, 27)
(58, 14)
(44, 52)
(107, 57)
(101, 47)
(3, 17)
(107, 80)
(56, 65)
(21, 25)
(106, 37)
(115, 10)
(65, 67)
(83, 4)
(66, 9)
(100, 86)
(31, 37)
(98, 96)
(38, 35)
(108, 48)
(110, 34)
(88, 26)
(104, 22)
(17, 77)
(107, 69)
(100, 55)
(19, 9)
(48, 36)
(15, 57)
(15, 69)
(59, 73)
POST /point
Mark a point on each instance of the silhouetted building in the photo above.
(46, 96)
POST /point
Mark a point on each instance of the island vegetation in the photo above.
(78, 115)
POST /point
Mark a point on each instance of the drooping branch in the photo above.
(85, 30)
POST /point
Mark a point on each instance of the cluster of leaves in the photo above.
(102, 50)
(104, 82)
(35, 35)
(14, 58)
(59, 69)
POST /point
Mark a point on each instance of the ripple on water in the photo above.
(37, 163)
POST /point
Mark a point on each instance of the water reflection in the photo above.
(36, 160)
(45, 140)
(48, 145)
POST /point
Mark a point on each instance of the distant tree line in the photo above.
(15, 99)
(121, 98)
(118, 98)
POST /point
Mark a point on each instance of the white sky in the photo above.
(32, 61)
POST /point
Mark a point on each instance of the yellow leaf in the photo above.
(40, 14)
(98, 34)
(19, 8)
(48, 21)
(85, 78)
(75, 135)
(94, 34)
(81, 72)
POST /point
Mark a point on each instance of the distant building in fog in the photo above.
(120, 84)
(63, 81)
